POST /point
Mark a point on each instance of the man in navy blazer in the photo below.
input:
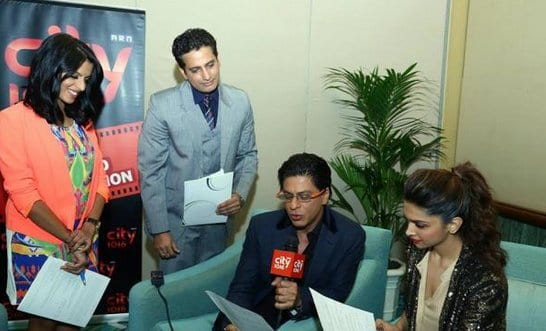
(193, 130)
(333, 245)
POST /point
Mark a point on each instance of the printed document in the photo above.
(62, 296)
(335, 316)
(242, 318)
(201, 196)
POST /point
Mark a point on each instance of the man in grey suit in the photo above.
(192, 130)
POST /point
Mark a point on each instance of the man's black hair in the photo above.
(192, 40)
(306, 164)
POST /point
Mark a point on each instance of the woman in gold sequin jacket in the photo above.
(456, 277)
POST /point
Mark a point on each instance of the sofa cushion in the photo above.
(3, 318)
(202, 322)
(526, 302)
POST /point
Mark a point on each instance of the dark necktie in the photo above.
(207, 107)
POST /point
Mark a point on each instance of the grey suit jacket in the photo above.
(170, 150)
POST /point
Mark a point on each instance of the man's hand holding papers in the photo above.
(203, 195)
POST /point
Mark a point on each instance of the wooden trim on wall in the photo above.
(529, 216)
(453, 81)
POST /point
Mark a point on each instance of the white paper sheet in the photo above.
(203, 195)
(335, 316)
(62, 296)
(242, 318)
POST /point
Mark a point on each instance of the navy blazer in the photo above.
(332, 271)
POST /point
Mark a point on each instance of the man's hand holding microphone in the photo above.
(287, 294)
(287, 265)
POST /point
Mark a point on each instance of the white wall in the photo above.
(502, 117)
(278, 52)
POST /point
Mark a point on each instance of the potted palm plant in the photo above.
(383, 136)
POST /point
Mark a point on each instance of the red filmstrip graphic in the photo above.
(119, 148)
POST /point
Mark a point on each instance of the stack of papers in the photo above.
(335, 316)
(62, 296)
(202, 196)
(244, 319)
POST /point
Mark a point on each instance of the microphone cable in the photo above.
(157, 280)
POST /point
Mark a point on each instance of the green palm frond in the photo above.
(381, 139)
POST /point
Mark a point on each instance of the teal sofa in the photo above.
(3, 318)
(526, 273)
(191, 309)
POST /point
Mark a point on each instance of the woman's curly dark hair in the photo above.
(58, 58)
(462, 192)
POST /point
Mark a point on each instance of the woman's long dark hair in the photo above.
(58, 58)
(462, 192)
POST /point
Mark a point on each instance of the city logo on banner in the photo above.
(107, 269)
(117, 303)
(121, 237)
(113, 74)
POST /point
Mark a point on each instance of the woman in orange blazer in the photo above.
(52, 167)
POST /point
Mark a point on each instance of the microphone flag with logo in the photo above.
(288, 263)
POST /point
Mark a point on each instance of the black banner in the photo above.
(117, 38)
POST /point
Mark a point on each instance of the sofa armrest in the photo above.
(308, 324)
(526, 273)
(205, 322)
(368, 293)
(183, 291)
